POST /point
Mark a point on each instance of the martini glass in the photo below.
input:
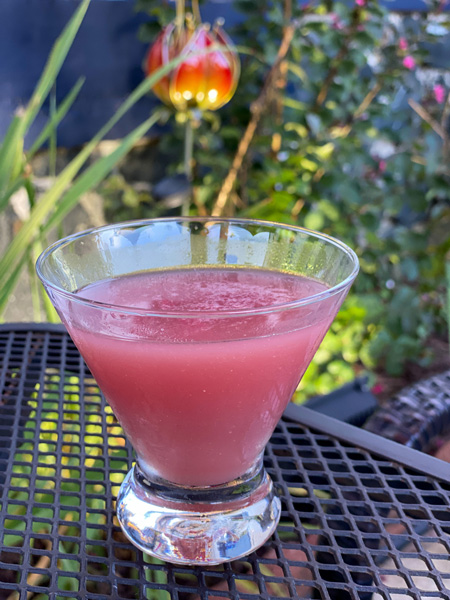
(198, 331)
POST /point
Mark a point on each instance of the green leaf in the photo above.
(314, 220)
(300, 129)
(410, 269)
(307, 164)
(297, 70)
(8, 151)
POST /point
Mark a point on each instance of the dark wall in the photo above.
(106, 51)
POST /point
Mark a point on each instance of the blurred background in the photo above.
(339, 122)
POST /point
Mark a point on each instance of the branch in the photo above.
(444, 126)
(439, 128)
(323, 93)
(345, 130)
(423, 114)
(368, 100)
(280, 83)
(445, 113)
(257, 110)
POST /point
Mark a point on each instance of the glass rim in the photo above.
(273, 308)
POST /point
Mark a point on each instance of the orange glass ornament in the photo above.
(204, 82)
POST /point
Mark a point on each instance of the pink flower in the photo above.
(403, 44)
(439, 93)
(336, 23)
(409, 62)
(360, 2)
(378, 388)
(382, 166)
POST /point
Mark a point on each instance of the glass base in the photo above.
(198, 526)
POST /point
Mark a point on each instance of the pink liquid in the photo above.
(199, 397)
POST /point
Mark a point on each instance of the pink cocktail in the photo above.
(198, 332)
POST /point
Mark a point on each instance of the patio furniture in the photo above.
(363, 517)
(417, 415)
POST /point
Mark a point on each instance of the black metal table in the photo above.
(362, 517)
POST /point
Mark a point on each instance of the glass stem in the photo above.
(188, 163)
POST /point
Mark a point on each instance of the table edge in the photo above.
(366, 440)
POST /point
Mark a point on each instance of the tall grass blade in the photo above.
(34, 288)
(53, 139)
(96, 173)
(8, 153)
(50, 312)
(8, 284)
(64, 179)
(56, 119)
(13, 141)
(143, 88)
(51, 315)
(12, 189)
(13, 259)
(15, 252)
(54, 63)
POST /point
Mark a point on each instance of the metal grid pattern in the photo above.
(354, 524)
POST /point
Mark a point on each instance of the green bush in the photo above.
(351, 140)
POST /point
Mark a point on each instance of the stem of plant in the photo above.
(53, 142)
(34, 289)
(180, 14)
(188, 158)
(196, 11)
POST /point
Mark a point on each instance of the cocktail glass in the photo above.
(198, 383)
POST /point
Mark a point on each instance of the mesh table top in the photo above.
(362, 517)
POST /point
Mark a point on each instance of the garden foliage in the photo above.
(351, 138)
